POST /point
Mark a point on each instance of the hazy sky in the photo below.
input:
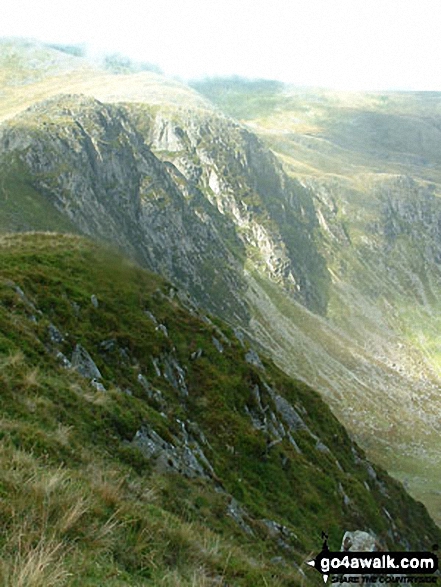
(348, 44)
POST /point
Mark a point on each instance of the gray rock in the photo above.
(108, 345)
(151, 316)
(94, 301)
(370, 471)
(253, 358)
(294, 444)
(145, 384)
(236, 511)
(84, 364)
(281, 534)
(152, 393)
(239, 335)
(217, 344)
(24, 297)
(278, 530)
(289, 414)
(175, 374)
(63, 360)
(97, 385)
(256, 394)
(162, 328)
(359, 541)
(346, 499)
(55, 335)
(321, 447)
(180, 457)
(156, 366)
(196, 354)
(125, 354)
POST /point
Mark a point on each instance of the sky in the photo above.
(341, 44)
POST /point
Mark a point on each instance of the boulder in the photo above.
(84, 364)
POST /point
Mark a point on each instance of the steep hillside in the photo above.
(143, 442)
(319, 237)
(95, 171)
(371, 165)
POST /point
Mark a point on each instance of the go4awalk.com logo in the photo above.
(373, 567)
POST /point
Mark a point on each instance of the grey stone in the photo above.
(370, 471)
(253, 358)
(321, 447)
(108, 345)
(162, 328)
(277, 530)
(151, 316)
(294, 444)
(359, 541)
(84, 364)
(97, 385)
(342, 492)
(63, 360)
(196, 354)
(156, 366)
(180, 457)
(281, 534)
(124, 354)
(55, 335)
(239, 335)
(94, 301)
(145, 384)
(217, 344)
(24, 297)
(289, 414)
(152, 393)
(175, 374)
(236, 511)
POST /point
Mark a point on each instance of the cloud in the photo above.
(339, 43)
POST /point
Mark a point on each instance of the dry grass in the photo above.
(38, 566)
(11, 361)
(31, 379)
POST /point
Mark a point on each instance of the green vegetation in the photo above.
(242, 98)
(362, 239)
(85, 506)
(371, 164)
(23, 207)
(120, 64)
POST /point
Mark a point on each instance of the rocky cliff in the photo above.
(319, 238)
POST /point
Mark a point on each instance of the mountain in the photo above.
(143, 441)
(312, 225)
(371, 162)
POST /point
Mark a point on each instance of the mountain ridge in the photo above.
(334, 251)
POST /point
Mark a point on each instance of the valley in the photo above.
(308, 220)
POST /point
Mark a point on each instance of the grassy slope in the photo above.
(31, 72)
(82, 506)
(313, 134)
